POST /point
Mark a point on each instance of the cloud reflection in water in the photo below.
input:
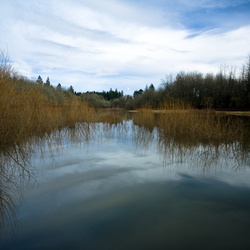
(121, 188)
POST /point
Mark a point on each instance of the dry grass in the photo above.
(198, 138)
(201, 126)
(27, 113)
(193, 126)
(174, 105)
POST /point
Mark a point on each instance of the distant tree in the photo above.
(246, 80)
(118, 102)
(129, 102)
(59, 86)
(95, 100)
(137, 92)
(39, 80)
(151, 87)
(47, 83)
(208, 98)
(149, 97)
(111, 94)
(71, 89)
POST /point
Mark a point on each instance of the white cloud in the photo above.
(194, 4)
(95, 45)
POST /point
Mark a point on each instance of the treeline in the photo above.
(104, 99)
(224, 90)
(107, 95)
(228, 89)
(221, 91)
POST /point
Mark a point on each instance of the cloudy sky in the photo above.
(123, 44)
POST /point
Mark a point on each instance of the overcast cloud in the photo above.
(98, 45)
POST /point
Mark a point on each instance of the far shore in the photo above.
(218, 112)
(239, 113)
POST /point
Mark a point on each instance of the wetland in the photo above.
(175, 180)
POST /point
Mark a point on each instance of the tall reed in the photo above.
(202, 127)
(27, 108)
(175, 105)
(193, 126)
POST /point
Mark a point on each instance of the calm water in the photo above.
(119, 186)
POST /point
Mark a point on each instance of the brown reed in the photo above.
(193, 126)
(25, 110)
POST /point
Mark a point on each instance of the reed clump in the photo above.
(28, 108)
(198, 137)
(174, 105)
(204, 127)
(180, 123)
(145, 118)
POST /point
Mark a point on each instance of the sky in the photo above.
(95, 45)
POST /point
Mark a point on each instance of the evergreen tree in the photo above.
(152, 87)
(39, 80)
(59, 86)
(71, 89)
(137, 92)
(47, 83)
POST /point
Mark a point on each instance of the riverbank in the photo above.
(237, 113)
(169, 111)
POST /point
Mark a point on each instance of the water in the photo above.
(118, 187)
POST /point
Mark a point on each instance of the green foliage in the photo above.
(137, 92)
(111, 98)
(108, 95)
(95, 100)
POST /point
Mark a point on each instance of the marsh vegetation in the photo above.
(35, 108)
(41, 123)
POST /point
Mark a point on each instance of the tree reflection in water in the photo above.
(18, 170)
(14, 174)
(201, 141)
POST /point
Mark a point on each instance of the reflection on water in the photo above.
(130, 181)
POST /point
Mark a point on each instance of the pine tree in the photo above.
(39, 80)
(47, 82)
(59, 86)
(71, 89)
(152, 87)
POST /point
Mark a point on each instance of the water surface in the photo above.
(123, 186)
